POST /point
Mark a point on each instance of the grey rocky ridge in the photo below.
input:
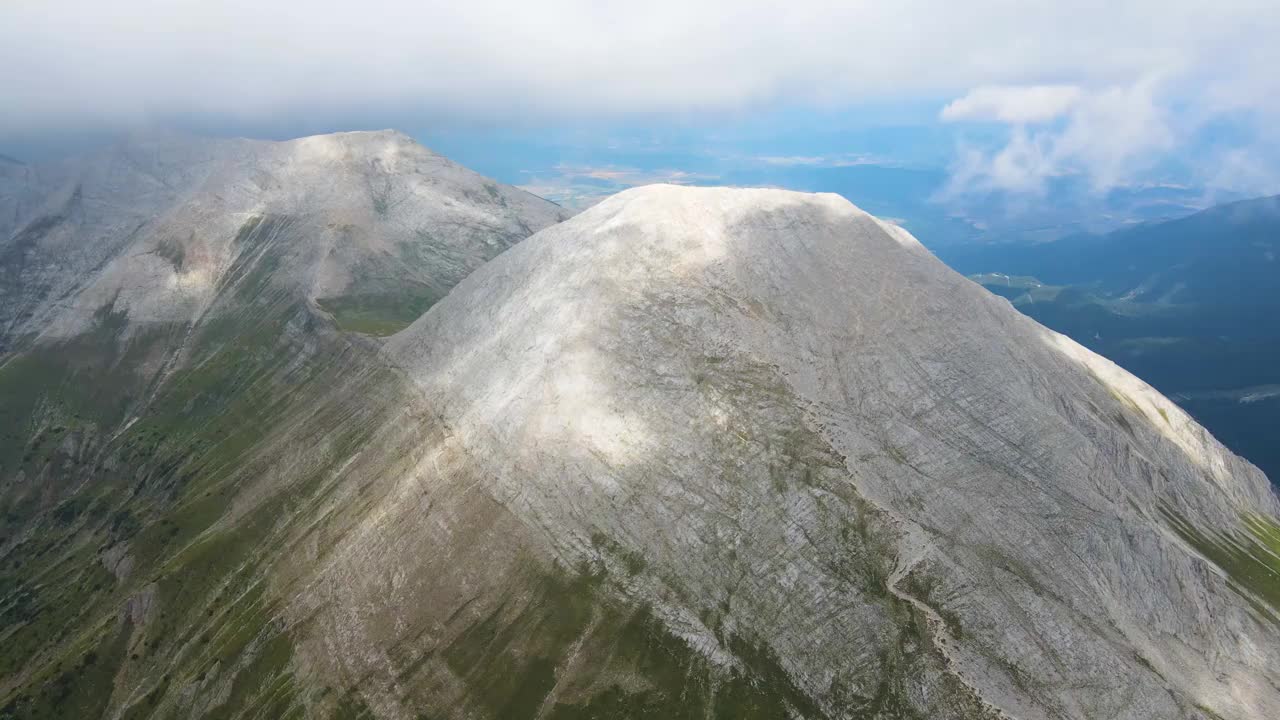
(691, 453)
(371, 226)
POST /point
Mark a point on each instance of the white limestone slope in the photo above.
(150, 227)
(767, 394)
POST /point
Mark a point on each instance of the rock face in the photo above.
(184, 355)
(805, 435)
(375, 227)
(692, 453)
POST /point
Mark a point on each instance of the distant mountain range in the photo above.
(1192, 305)
(374, 226)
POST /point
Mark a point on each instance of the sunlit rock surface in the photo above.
(692, 453)
(377, 228)
(801, 430)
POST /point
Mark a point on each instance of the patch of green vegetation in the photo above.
(79, 687)
(924, 588)
(866, 551)
(173, 251)
(146, 707)
(42, 611)
(1248, 554)
(1208, 711)
(671, 680)
(498, 653)
(570, 649)
(258, 257)
(764, 669)
(632, 560)
(1122, 398)
(352, 707)
(1019, 289)
(157, 465)
(263, 684)
(895, 453)
(380, 314)
(252, 230)
(69, 390)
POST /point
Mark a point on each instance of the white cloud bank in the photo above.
(1110, 135)
(1013, 104)
(1072, 79)
(88, 61)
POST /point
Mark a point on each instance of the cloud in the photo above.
(1240, 170)
(1013, 104)
(1091, 87)
(88, 62)
(1023, 165)
(1110, 136)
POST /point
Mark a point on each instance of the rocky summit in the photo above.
(691, 453)
(370, 225)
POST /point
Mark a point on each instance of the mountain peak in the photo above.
(677, 214)
(718, 380)
(393, 150)
(687, 207)
(695, 452)
(672, 196)
(360, 139)
(353, 215)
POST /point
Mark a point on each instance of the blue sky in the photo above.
(1009, 105)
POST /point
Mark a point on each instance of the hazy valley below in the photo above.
(1191, 305)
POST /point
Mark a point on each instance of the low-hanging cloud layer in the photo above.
(1013, 103)
(1081, 67)
(88, 59)
(1110, 135)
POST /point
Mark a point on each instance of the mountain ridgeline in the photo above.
(1191, 305)
(334, 428)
